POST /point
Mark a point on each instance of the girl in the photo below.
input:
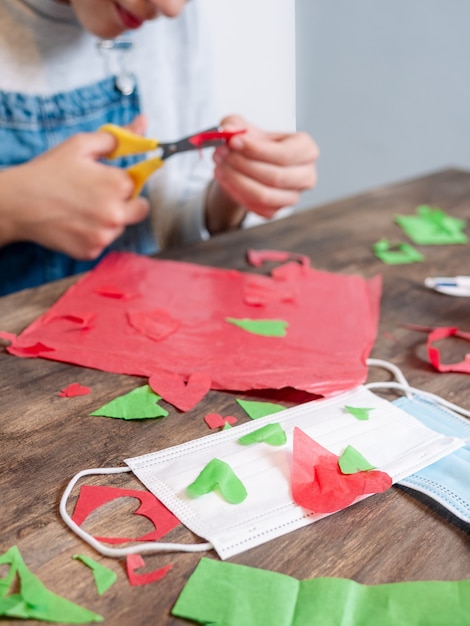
(69, 66)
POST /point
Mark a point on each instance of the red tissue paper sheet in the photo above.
(317, 482)
(170, 317)
(91, 497)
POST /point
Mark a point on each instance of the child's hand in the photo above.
(67, 200)
(262, 171)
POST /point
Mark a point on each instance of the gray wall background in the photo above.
(384, 88)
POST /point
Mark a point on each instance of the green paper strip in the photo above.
(138, 404)
(351, 461)
(34, 600)
(218, 476)
(396, 254)
(255, 409)
(267, 328)
(272, 434)
(432, 226)
(104, 577)
(226, 594)
(358, 412)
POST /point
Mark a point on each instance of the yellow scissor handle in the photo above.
(130, 143)
(141, 171)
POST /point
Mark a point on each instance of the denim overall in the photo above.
(29, 125)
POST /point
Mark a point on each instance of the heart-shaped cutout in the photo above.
(214, 420)
(180, 391)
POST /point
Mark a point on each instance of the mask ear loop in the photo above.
(149, 547)
(402, 385)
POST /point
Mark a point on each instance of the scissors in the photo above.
(130, 143)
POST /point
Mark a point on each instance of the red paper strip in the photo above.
(92, 497)
(201, 138)
(318, 483)
(134, 561)
(182, 393)
(74, 389)
(435, 356)
(214, 420)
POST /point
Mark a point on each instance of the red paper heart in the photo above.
(92, 497)
(214, 420)
(183, 393)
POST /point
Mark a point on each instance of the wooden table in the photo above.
(45, 439)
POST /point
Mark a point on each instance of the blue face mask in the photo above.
(446, 481)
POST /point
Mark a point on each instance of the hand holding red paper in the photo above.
(265, 171)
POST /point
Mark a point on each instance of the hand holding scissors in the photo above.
(129, 143)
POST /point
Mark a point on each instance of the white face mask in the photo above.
(391, 440)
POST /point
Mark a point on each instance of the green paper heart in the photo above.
(272, 434)
(218, 476)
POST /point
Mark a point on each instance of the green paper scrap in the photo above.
(218, 476)
(104, 577)
(267, 328)
(255, 409)
(351, 461)
(396, 253)
(358, 412)
(34, 600)
(432, 226)
(227, 426)
(272, 434)
(226, 594)
(138, 404)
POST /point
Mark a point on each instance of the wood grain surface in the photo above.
(45, 439)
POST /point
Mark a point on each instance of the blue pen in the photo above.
(450, 285)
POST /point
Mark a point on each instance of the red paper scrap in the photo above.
(80, 320)
(31, 350)
(261, 290)
(8, 337)
(318, 483)
(258, 257)
(111, 291)
(207, 136)
(92, 497)
(332, 322)
(434, 354)
(74, 389)
(134, 561)
(180, 391)
(156, 324)
(214, 420)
